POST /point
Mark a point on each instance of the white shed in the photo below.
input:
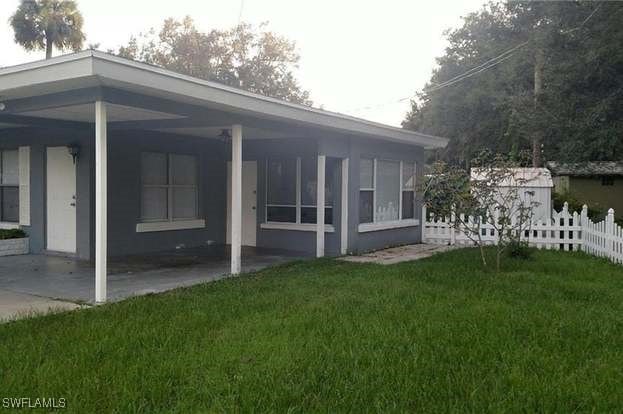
(535, 185)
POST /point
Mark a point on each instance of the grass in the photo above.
(435, 335)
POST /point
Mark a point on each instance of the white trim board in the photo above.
(169, 225)
(388, 225)
(296, 227)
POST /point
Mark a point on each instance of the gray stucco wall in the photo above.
(361, 148)
(124, 189)
(38, 139)
(301, 241)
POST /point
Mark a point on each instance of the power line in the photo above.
(473, 71)
(488, 63)
(585, 20)
(240, 11)
(380, 105)
(477, 69)
(470, 72)
(469, 75)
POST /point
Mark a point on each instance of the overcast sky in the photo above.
(357, 56)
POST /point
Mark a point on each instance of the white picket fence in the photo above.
(564, 231)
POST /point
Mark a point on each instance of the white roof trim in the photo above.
(109, 68)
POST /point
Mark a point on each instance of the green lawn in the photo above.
(435, 335)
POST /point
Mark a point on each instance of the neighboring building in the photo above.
(534, 187)
(105, 156)
(598, 183)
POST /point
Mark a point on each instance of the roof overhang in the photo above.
(92, 69)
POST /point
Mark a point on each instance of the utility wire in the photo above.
(485, 65)
(478, 69)
(470, 72)
(240, 11)
(465, 76)
(583, 22)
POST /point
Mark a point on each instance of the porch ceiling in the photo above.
(86, 113)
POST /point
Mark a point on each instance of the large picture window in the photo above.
(291, 188)
(9, 186)
(386, 191)
(169, 187)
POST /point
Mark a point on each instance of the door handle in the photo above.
(72, 204)
(253, 208)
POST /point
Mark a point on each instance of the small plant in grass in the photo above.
(491, 197)
(519, 249)
(6, 234)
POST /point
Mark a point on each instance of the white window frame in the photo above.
(10, 224)
(170, 223)
(393, 224)
(284, 225)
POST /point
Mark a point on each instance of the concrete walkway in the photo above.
(399, 254)
(15, 305)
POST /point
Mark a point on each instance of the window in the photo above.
(408, 190)
(386, 191)
(9, 186)
(291, 188)
(169, 187)
(366, 192)
(607, 180)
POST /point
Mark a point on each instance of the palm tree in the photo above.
(43, 24)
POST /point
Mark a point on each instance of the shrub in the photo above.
(519, 250)
(595, 211)
(6, 234)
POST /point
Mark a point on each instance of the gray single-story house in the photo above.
(102, 156)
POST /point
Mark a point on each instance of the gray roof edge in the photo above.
(374, 128)
(586, 168)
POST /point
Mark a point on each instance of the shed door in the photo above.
(60, 201)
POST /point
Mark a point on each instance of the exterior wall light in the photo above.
(74, 151)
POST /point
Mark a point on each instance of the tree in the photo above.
(43, 24)
(245, 57)
(492, 197)
(570, 48)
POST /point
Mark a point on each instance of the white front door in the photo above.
(60, 201)
(249, 203)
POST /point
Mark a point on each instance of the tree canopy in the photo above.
(578, 114)
(42, 24)
(247, 57)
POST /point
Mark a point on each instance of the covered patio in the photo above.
(108, 158)
(71, 279)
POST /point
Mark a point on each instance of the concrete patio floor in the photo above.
(73, 280)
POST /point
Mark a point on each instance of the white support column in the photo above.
(344, 203)
(236, 198)
(320, 207)
(101, 193)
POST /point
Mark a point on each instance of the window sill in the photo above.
(296, 227)
(5, 225)
(388, 225)
(169, 225)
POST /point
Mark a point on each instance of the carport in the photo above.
(108, 158)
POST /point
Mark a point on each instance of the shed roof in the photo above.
(89, 69)
(586, 169)
(522, 177)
